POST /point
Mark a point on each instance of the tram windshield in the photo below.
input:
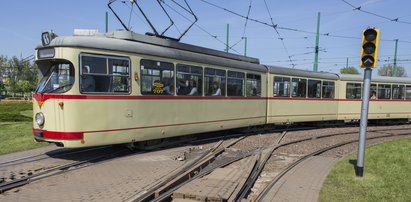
(58, 79)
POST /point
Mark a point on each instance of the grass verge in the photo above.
(15, 128)
(387, 174)
(16, 136)
(10, 112)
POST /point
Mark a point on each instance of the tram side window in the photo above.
(235, 83)
(253, 85)
(214, 82)
(299, 87)
(157, 78)
(314, 88)
(119, 69)
(353, 91)
(282, 87)
(408, 92)
(384, 91)
(398, 92)
(373, 93)
(328, 89)
(104, 74)
(189, 80)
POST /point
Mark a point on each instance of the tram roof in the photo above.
(302, 73)
(383, 79)
(126, 41)
(132, 36)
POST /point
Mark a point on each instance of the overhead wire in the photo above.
(201, 28)
(279, 35)
(287, 28)
(245, 25)
(374, 14)
(272, 25)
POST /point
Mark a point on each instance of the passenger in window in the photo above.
(182, 87)
(254, 92)
(88, 84)
(169, 89)
(373, 95)
(216, 89)
(193, 88)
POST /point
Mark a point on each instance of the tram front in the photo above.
(58, 77)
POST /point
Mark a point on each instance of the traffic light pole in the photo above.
(359, 169)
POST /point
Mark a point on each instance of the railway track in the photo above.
(267, 189)
(85, 157)
(163, 189)
(217, 157)
(197, 169)
(165, 193)
(55, 170)
(48, 155)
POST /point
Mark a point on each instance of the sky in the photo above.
(22, 23)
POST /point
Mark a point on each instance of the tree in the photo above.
(387, 70)
(21, 75)
(3, 60)
(349, 70)
(3, 64)
(2, 87)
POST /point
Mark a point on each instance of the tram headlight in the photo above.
(40, 119)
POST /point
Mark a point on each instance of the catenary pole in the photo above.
(106, 22)
(245, 46)
(394, 67)
(227, 37)
(317, 38)
(346, 64)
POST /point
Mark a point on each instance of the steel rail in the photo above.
(187, 173)
(264, 193)
(167, 194)
(255, 173)
(57, 170)
(50, 154)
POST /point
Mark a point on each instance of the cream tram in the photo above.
(123, 87)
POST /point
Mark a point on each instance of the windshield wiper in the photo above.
(54, 90)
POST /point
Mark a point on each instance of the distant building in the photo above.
(5, 73)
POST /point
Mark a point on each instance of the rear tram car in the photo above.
(123, 87)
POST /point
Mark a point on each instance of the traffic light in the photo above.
(369, 49)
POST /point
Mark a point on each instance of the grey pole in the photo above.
(317, 39)
(359, 169)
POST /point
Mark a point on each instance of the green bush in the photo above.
(15, 98)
